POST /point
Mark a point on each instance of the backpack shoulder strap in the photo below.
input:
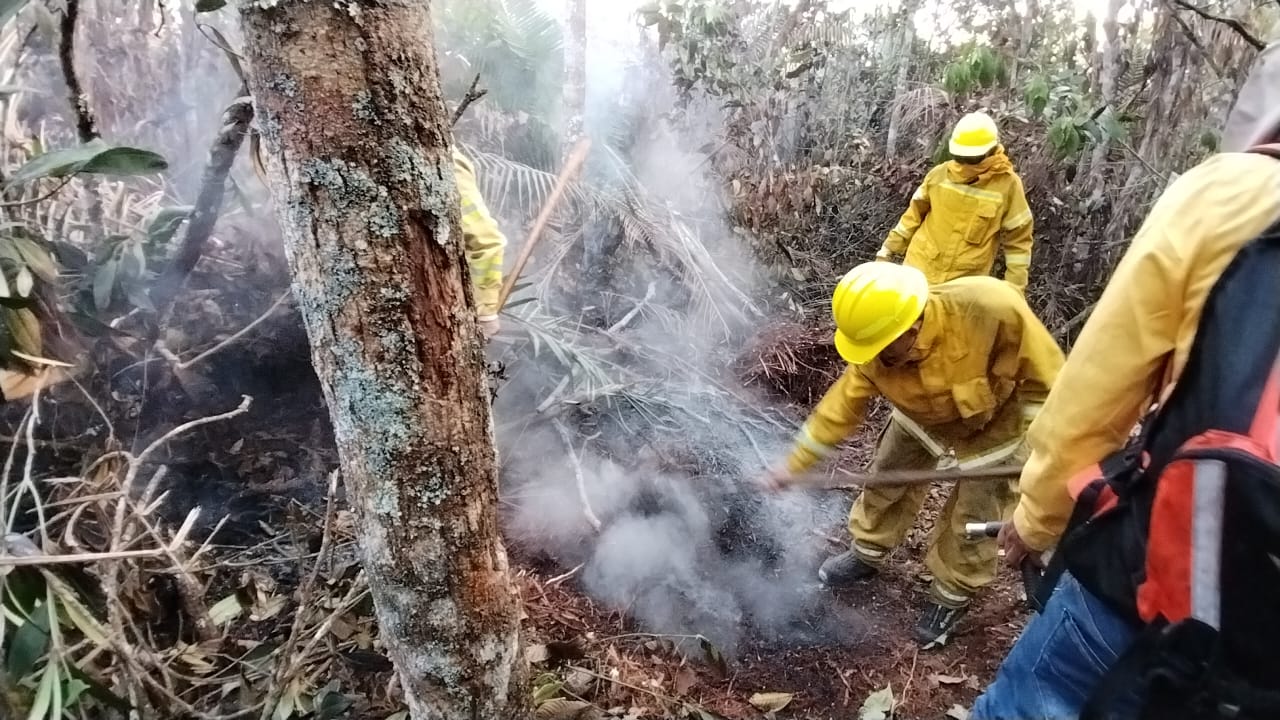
(1270, 150)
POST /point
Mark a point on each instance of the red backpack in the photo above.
(1181, 533)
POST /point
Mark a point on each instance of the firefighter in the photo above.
(965, 365)
(956, 219)
(1129, 354)
(484, 244)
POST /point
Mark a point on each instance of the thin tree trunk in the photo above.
(901, 76)
(1110, 73)
(575, 70)
(369, 212)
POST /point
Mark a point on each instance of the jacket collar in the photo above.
(930, 330)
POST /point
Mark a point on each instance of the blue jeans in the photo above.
(1059, 659)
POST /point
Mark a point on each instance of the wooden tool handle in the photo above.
(571, 167)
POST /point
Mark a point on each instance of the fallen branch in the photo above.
(571, 167)
(648, 295)
(86, 125)
(587, 512)
(180, 364)
(471, 96)
(1232, 23)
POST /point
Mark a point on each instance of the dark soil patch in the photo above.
(828, 680)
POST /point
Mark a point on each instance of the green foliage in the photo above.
(40, 610)
(1036, 95)
(957, 79)
(165, 224)
(92, 158)
(702, 39)
(1066, 138)
(515, 46)
(979, 67)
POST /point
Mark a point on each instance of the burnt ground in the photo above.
(618, 667)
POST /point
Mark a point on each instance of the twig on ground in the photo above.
(911, 676)
(561, 578)
(648, 295)
(577, 471)
(187, 364)
(286, 668)
(471, 96)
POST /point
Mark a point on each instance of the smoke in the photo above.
(666, 455)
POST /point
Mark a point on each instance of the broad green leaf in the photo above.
(24, 282)
(330, 703)
(5, 292)
(33, 253)
(76, 613)
(165, 224)
(28, 645)
(140, 298)
(94, 157)
(72, 689)
(24, 330)
(131, 264)
(98, 690)
(210, 5)
(104, 281)
(125, 161)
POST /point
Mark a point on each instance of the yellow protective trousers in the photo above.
(882, 516)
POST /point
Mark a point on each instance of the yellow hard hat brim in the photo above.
(958, 150)
(853, 353)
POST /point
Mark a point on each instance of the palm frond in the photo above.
(646, 225)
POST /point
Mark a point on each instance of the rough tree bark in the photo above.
(1109, 74)
(575, 71)
(901, 75)
(356, 137)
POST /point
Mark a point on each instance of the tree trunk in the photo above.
(575, 70)
(901, 76)
(356, 140)
(1110, 73)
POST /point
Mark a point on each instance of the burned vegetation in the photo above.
(177, 539)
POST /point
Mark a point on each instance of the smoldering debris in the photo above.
(709, 556)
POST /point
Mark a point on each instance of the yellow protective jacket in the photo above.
(982, 364)
(484, 240)
(953, 225)
(1136, 342)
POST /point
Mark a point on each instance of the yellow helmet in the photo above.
(974, 135)
(873, 305)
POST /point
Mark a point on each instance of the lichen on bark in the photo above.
(356, 142)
